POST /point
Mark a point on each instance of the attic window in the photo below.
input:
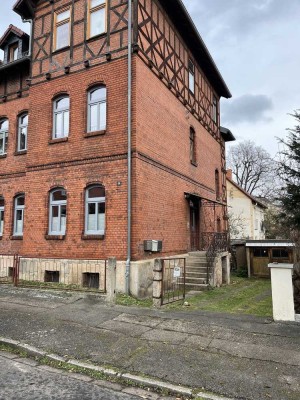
(191, 76)
(13, 52)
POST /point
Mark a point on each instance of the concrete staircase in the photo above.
(196, 271)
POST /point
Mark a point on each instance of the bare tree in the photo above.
(253, 168)
(237, 225)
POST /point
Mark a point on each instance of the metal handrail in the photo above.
(213, 243)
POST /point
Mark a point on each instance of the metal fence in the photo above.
(54, 273)
(173, 280)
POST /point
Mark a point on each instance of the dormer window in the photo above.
(62, 29)
(13, 52)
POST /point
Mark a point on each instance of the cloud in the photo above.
(248, 108)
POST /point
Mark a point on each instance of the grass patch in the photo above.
(124, 300)
(243, 296)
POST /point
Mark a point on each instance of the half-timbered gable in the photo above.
(167, 41)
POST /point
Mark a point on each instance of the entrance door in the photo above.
(194, 224)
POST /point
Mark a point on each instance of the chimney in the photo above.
(229, 174)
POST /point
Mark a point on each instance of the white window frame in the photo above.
(57, 24)
(20, 127)
(16, 209)
(59, 204)
(97, 201)
(92, 10)
(4, 134)
(191, 68)
(98, 103)
(2, 216)
(62, 111)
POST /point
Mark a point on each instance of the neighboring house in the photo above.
(246, 213)
(69, 142)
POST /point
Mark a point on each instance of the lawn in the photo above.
(243, 296)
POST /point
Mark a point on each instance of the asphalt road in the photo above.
(24, 379)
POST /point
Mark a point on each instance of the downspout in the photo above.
(127, 272)
(31, 33)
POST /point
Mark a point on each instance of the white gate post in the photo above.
(282, 292)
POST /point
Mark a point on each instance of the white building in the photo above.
(246, 213)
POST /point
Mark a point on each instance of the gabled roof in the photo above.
(187, 29)
(12, 30)
(252, 198)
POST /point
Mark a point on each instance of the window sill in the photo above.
(100, 35)
(20, 153)
(55, 237)
(194, 163)
(14, 237)
(60, 50)
(58, 140)
(3, 155)
(96, 133)
(92, 237)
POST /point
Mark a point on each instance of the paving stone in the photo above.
(109, 385)
(125, 328)
(158, 335)
(144, 320)
(144, 394)
(27, 361)
(6, 354)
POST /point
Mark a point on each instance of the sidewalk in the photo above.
(241, 357)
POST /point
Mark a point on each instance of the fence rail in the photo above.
(54, 273)
(173, 280)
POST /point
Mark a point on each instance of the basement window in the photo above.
(90, 280)
(51, 276)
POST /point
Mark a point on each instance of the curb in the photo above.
(110, 372)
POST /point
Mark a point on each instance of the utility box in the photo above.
(154, 246)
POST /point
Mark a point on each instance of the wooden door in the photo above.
(194, 224)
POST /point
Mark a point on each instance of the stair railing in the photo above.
(213, 243)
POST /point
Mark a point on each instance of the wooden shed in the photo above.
(262, 252)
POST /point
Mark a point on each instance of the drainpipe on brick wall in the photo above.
(127, 272)
(31, 33)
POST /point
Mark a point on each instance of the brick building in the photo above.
(65, 128)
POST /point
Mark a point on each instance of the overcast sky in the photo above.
(255, 44)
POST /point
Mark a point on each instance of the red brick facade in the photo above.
(163, 115)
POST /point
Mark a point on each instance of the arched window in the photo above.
(19, 215)
(61, 117)
(22, 131)
(217, 184)
(58, 212)
(1, 215)
(3, 136)
(95, 210)
(96, 109)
